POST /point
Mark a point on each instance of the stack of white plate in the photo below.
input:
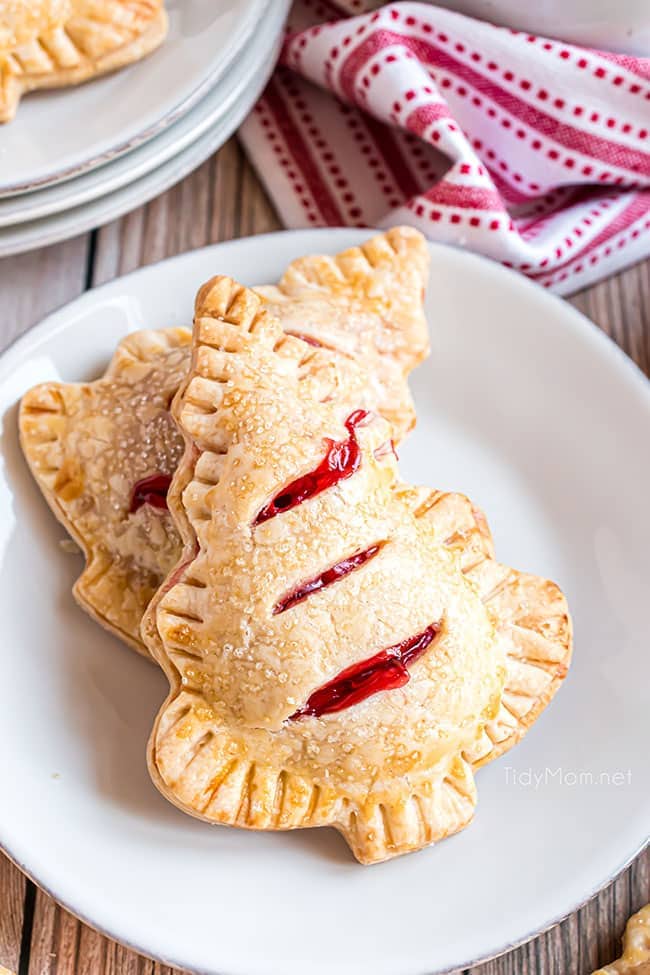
(76, 158)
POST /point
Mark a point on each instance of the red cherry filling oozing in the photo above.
(385, 671)
(150, 490)
(326, 578)
(341, 460)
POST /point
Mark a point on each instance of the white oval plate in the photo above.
(249, 77)
(525, 406)
(98, 121)
(15, 210)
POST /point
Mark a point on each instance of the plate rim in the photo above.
(179, 109)
(575, 319)
(470, 963)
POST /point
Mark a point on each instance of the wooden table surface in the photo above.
(221, 200)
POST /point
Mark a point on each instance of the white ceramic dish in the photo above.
(621, 26)
(103, 119)
(126, 169)
(256, 67)
(541, 419)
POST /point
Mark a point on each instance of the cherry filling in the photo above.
(385, 671)
(151, 490)
(306, 338)
(177, 574)
(326, 578)
(341, 461)
(385, 450)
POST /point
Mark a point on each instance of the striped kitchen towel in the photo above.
(531, 151)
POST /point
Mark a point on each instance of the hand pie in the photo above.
(635, 959)
(103, 453)
(130, 552)
(54, 43)
(329, 662)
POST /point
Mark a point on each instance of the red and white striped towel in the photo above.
(531, 151)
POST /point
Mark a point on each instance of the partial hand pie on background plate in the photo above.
(98, 450)
(55, 43)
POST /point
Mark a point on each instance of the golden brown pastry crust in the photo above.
(389, 773)
(23, 20)
(77, 41)
(340, 300)
(635, 959)
(53, 418)
(530, 614)
(87, 445)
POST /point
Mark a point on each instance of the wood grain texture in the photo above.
(62, 945)
(32, 285)
(12, 900)
(221, 200)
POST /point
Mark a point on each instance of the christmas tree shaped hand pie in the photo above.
(329, 662)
